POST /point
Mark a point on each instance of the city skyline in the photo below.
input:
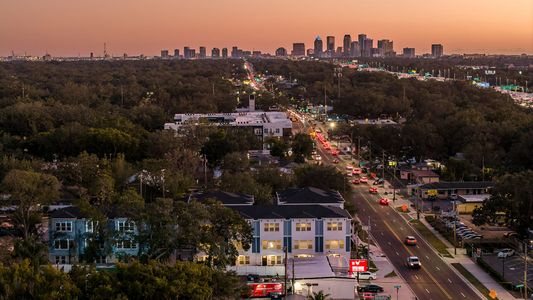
(62, 28)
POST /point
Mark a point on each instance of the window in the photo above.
(334, 244)
(303, 226)
(271, 260)
(243, 260)
(258, 131)
(90, 226)
(63, 244)
(61, 260)
(100, 259)
(271, 245)
(271, 226)
(303, 244)
(334, 226)
(277, 130)
(64, 226)
(125, 226)
(126, 244)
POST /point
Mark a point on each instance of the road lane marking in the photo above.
(437, 268)
(427, 291)
(463, 295)
(397, 253)
(427, 257)
(449, 280)
(416, 276)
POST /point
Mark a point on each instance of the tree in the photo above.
(322, 177)
(244, 182)
(29, 190)
(302, 146)
(278, 147)
(235, 162)
(318, 296)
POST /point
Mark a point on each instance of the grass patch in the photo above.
(391, 274)
(431, 238)
(473, 280)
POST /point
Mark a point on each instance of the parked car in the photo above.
(367, 276)
(349, 174)
(356, 181)
(413, 262)
(373, 190)
(364, 180)
(379, 181)
(335, 161)
(410, 240)
(505, 253)
(371, 288)
(384, 201)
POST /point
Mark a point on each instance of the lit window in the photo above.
(64, 226)
(334, 226)
(334, 244)
(90, 226)
(271, 245)
(271, 226)
(125, 226)
(303, 226)
(303, 244)
(243, 260)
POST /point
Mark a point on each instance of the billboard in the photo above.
(358, 265)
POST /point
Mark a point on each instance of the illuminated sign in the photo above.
(358, 265)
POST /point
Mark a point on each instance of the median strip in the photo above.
(431, 238)
(473, 280)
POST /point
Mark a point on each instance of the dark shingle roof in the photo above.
(444, 185)
(71, 212)
(288, 212)
(309, 195)
(226, 198)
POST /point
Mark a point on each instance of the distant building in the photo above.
(367, 48)
(224, 52)
(298, 49)
(446, 190)
(186, 53)
(215, 53)
(236, 52)
(330, 44)
(338, 53)
(164, 54)
(409, 52)
(281, 52)
(347, 44)
(256, 53)
(203, 53)
(386, 48)
(354, 49)
(361, 38)
(176, 53)
(192, 53)
(319, 47)
(437, 50)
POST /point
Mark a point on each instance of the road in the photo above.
(435, 280)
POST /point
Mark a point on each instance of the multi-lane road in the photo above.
(436, 279)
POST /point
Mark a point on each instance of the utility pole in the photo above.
(325, 106)
(359, 148)
(292, 288)
(205, 171)
(338, 74)
(483, 168)
(383, 167)
(286, 263)
(525, 270)
(394, 181)
(454, 228)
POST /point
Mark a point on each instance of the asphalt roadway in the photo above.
(435, 280)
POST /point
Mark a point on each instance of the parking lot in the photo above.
(512, 267)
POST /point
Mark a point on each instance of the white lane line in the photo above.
(437, 268)
(389, 243)
(449, 280)
(463, 295)
(417, 277)
(427, 291)
(383, 235)
(427, 257)
(397, 253)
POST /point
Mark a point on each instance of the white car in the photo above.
(505, 253)
(367, 276)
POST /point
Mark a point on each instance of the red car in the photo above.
(373, 190)
(357, 171)
(410, 240)
(364, 180)
(384, 201)
(356, 181)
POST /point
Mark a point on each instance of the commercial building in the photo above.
(164, 54)
(437, 50)
(203, 53)
(189, 53)
(215, 53)
(361, 38)
(347, 44)
(281, 52)
(445, 190)
(236, 52)
(176, 53)
(298, 49)
(385, 48)
(318, 47)
(367, 48)
(354, 49)
(224, 52)
(409, 52)
(330, 45)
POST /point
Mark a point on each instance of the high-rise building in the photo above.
(298, 49)
(437, 50)
(354, 49)
(203, 52)
(368, 44)
(319, 47)
(347, 41)
(409, 52)
(176, 53)
(361, 38)
(215, 53)
(186, 52)
(164, 54)
(224, 52)
(386, 48)
(338, 53)
(330, 44)
(236, 52)
(281, 52)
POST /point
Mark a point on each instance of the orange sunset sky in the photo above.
(72, 27)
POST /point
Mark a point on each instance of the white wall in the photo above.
(337, 288)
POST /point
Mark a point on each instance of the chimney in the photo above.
(251, 103)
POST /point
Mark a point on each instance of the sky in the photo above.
(78, 27)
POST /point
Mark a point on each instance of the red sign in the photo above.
(358, 265)
(264, 289)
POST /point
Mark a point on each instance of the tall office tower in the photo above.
(354, 49)
(437, 50)
(91, 56)
(176, 53)
(330, 44)
(347, 41)
(319, 47)
(236, 52)
(192, 53)
(164, 54)
(215, 53)
(224, 52)
(385, 48)
(367, 47)
(361, 38)
(203, 52)
(186, 52)
(409, 52)
(338, 53)
(281, 52)
(298, 49)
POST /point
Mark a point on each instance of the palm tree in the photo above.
(319, 296)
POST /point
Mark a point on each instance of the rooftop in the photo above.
(480, 198)
(239, 118)
(444, 185)
(288, 212)
(226, 198)
(309, 195)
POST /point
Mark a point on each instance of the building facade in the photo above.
(437, 50)
(281, 52)
(298, 49)
(318, 47)
(409, 52)
(347, 44)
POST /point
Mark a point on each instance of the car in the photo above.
(357, 171)
(349, 167)
(349, 174)
(505, 253)
(371, 288)
(367, 275)
(364, 180)
(373, 190)
(469, 236)
(379, 181)
(335, 161)
(413, 262)
(368, 296)
(318, 157)
(384, 201)
(356, 181)
(410, 240)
